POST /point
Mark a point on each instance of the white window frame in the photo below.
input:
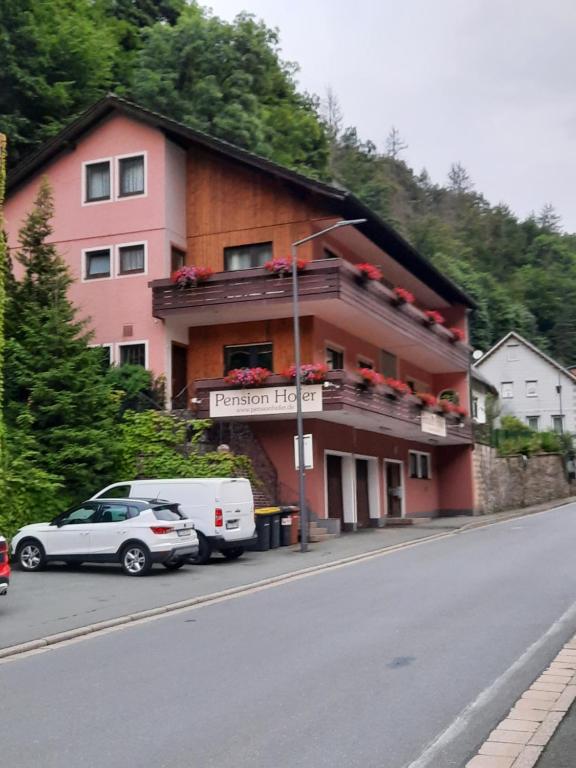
(109, 345)
(512, 356)
(85, 252)
(85, 164)
(121, 198)
(117, 272)
(561, 417)
(535, 383)
(418, 455)
(132, 343)
(336, 348)
(537, 427)
(503, 394)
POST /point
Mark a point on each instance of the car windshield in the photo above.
(168, 513)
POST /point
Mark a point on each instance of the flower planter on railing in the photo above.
(310, 373)
(283, 266)
(247, 377)
(191, 276)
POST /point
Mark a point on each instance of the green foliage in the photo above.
(154, 444)
(515, 437)
(140, 391)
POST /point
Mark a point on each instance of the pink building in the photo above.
(138, 195)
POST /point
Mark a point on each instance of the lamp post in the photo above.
(297, 363)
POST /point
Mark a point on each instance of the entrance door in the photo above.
(394, 489)
(179, 376)
(362, 494)
(334, 485)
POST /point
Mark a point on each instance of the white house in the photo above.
(481, 390)
(532, 386)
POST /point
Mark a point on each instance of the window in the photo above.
(334, 359)
(531, 389)
(248, 356)
(533, 422)
(558, 424)
(177, 258)
(113, 513)
(133, 354)
(131, 259)
(168, 513)
(116, 492)
(104, 354)
(80, 515)
(131, 176)
(388, 364)
(363, 362)
(475, 407)
(247, 256)
(97, 183)
(97, 263)
(419, 465)
(507, 389)
(512, 352)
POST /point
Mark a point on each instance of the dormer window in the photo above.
(97, 181)
(131, 173)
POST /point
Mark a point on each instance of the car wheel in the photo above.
(31, 555)
(173, 565)
(233, 553)
(204, 551)
(136, 560)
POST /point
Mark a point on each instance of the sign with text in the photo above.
(308, 452)
(433, 424)
(264, 401)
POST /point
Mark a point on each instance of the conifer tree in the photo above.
(55, 384)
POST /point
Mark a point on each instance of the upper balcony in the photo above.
(341, 400)
(328, 289)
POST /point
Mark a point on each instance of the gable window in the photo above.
(558, 424)
(247, 256)
(512, 352)
(507, 389)
(97, 181)
(131, 176)
(248, 356)
(533, 422)
(419, 465)
(132, 354)
(334, 359)
(97, 263)
(131, 259)
(177, 258)
(531, 389)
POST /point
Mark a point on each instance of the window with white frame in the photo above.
(334, 358)
(507, 389)
(97, 184)
(364, 362)
(533, 422)
(247, 256)
(558, 424)
(512, 352)
(131, 259)
(531, 389)
(132, 354)
(419, 465)
(131, 176)
(97, 263)
(475, 407)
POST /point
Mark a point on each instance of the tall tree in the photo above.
(56, 386)
(395, 144)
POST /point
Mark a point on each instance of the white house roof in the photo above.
(522, 340)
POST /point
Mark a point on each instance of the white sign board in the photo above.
(308, 452)
(264, 401)
(433, 424)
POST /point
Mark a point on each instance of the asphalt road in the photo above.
(361, 666)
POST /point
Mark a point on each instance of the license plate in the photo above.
(184, 532)
(232, 524)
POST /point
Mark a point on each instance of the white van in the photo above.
(222, 509)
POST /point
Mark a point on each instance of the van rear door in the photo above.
(234, 498)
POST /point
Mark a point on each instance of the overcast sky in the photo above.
(489, 83)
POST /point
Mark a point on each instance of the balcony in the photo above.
(343, 401)
(328, 289)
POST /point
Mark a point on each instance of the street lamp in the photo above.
(297, 363)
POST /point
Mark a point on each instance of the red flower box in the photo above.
(399, 387)
(457, 334)
(427, 400)
(191, 276)
(369, 271)
(370, 377)
(284, 266)
(402, 296)
(247, 377)
(433, 317)
(310, 373)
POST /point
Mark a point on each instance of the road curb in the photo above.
(548, 506)
(91, 629)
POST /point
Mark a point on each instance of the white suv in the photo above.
(133, 532)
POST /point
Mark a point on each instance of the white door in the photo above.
(69, 534)
(110, 529)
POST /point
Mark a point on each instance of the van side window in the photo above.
(117, 492)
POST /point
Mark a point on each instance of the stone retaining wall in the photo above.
(512, 482)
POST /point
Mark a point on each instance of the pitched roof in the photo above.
(344, 203)
(522, 340)
(477, 376)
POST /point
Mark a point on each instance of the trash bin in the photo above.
(290, 525)
(275, 530)
(262, 520)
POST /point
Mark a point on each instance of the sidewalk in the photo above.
(62, 600)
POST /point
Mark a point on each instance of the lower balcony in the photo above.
(341, 399)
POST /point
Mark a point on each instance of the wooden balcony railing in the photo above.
(256, 294)
(345, 400)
